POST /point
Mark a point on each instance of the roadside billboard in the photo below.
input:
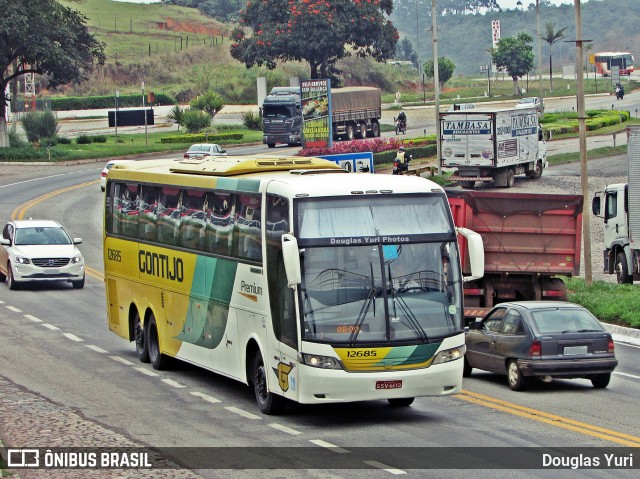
(361, 162)
(316, 113)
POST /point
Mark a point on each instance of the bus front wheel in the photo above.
(268, 402)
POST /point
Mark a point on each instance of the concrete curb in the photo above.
(623, 334)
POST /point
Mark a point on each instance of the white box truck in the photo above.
(492, 145)
(619, 206)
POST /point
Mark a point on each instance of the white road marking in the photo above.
(33, 318)
(242, 413)
(627, 375)
(51, 327)
(620, 343)
(34, 179)
(147, 372)
(328, 445)
(384, 467)
(173, 383)
(206, 397)
(286, 429)
(14, 309)
(121, 360)
(73, 337)
(1, 302)
(97, 349)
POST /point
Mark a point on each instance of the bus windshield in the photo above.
(400, 282)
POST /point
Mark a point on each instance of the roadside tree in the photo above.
(515, 55)
(314, 31)
(209, 102)
(45, 38)
(551, 36)
(445, 70)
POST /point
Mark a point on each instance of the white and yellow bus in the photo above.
(290, 275)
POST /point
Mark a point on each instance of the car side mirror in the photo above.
(475, 325)
(77, 240)
(595, 206)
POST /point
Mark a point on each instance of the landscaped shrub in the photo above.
(195, 120)
(84, 139)
(15, 140)
(63, 140)
(100, 139)
(252, 121)
(40, 124)
(107, 101)
(52, 141)
(202, 138)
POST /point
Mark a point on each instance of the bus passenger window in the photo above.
(219, 223)
(192, 224)
(248, 231)
(169, 213)
(148, 213)
(128, 211)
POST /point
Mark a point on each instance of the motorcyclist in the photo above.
(619, 91)
(402, 159)
(402, 118)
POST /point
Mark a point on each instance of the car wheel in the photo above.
(156, 358)
(271, 145)
(140, 340)
(102, 189)
(78, 284)
(600, 381)
(466, 369)
(622, 269)
(401, 402)
(268, 402)
(516, 380)
(2, 277)
(11, 282)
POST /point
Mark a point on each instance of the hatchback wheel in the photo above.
(600, 381)
(516, 380)
(11, 282)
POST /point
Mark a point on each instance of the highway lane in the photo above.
(157, 410)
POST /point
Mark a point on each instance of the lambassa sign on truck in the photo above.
(492, 145)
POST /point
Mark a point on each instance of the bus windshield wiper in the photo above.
(364, 310)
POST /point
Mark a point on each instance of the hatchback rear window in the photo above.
(552, 321)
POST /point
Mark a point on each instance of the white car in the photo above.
(39, 250)
(105, 172)
(530, 102)
(204, 149)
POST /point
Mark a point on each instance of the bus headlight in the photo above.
(317, 361)
(449, 355)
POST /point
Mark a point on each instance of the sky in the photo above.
(511, 4)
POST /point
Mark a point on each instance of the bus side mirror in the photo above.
(476, 253)
(291, 257)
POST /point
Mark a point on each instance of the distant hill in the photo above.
(611, 24)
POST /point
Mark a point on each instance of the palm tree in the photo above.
(552, 36)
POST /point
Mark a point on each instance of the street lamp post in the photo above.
(115, 117)
(144, 110)
(436, 78)
(487, 68)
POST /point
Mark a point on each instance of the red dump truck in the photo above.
(529, 240)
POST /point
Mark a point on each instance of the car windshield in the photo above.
(552, 321)
(528, 100)
(41, 236)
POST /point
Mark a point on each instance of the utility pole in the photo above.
(539, 54)
(584, 179)
(436, 79)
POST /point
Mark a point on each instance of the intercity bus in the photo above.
(291, 275)
(604, 61)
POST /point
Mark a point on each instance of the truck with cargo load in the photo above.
(356, 113)
(619, 206)
(492, 145)
(530, 240)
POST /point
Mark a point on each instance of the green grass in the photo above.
(611, 303)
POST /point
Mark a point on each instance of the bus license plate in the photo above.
(389, 384)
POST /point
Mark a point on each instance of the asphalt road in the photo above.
(71, 359)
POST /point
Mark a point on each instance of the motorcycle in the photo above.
(399, 168)
(401, 126)
(619, 92)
